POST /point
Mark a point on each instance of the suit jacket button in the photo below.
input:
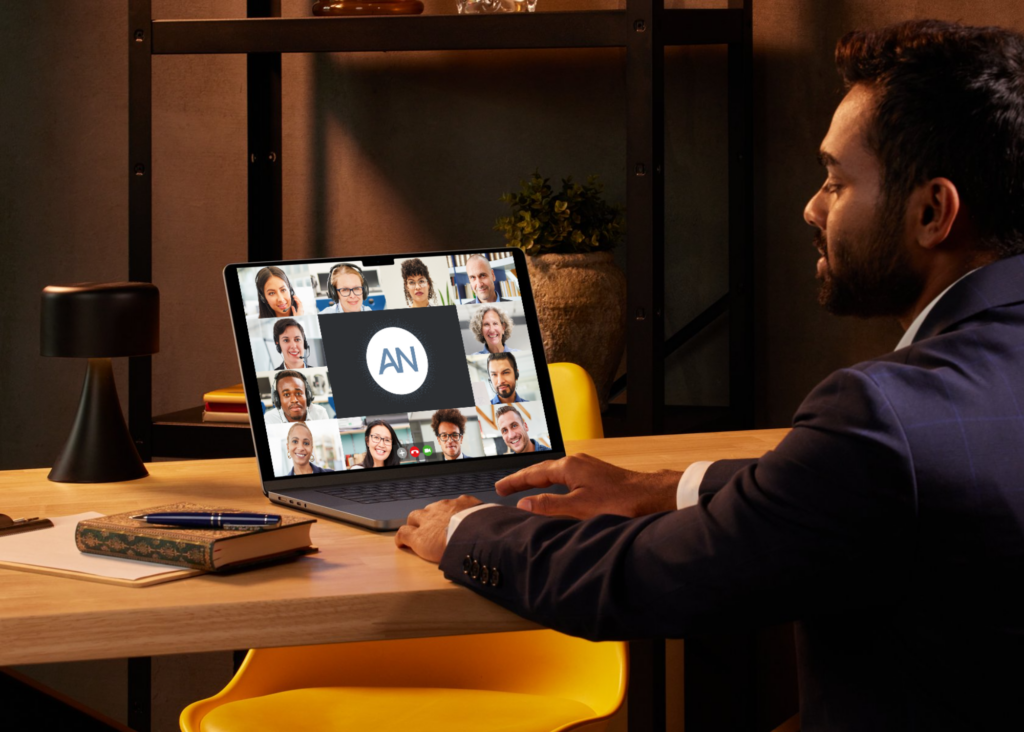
(467, 564)
(484, 574)
(494, 577)
(475, 571)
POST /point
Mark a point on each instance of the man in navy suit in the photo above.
(890, 522)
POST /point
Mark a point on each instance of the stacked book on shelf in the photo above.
(225, 405)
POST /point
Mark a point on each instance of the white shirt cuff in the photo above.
(454, 521)
(689, 484)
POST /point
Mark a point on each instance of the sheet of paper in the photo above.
(55, 547)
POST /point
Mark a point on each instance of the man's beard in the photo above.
(876, 278)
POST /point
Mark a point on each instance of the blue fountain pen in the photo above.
(211, 520)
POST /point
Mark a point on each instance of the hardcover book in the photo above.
(232, 417)
(228, 395)
(119, 535)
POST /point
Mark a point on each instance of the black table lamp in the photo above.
(100, 322)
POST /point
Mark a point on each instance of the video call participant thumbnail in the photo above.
(504, 375)
(449, 427)
(515, 432)
(290, 340)
(382, 445)
(481, 280)
(275, 294)
(417, 284)
(346, 288)
(300, 447)
(293, 400)
(493, 328)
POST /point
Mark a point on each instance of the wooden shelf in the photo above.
(587, 29)
(184, 434)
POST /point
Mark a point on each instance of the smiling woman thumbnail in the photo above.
(492, 327)
(275, 294)
(419, 288)
(381, 445)
(291, 343)
(300, 447)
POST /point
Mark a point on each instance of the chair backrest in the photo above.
(579, 412)
(543, 663)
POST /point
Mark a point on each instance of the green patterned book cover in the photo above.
(119, 535)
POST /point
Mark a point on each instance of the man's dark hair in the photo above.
(503, 356)
(452, 416)
(505, 409)
(281, 375)
(416, 268)
(949, 103)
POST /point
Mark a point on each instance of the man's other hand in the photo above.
(595, 487)
(426, 529)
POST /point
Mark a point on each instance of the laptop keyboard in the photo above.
(401, 490)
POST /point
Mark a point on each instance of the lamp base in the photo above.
(100, 449)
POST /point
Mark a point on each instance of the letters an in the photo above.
(388, 361)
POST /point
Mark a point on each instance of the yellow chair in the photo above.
(579, 412)
(531, 681)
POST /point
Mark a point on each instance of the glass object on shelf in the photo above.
(362, 7)
(472, 7)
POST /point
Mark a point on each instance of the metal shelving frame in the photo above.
(644, 29)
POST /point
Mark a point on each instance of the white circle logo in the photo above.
(397, 360)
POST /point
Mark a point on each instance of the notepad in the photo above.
(53, 551)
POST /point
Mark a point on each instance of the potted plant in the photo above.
(580, 292)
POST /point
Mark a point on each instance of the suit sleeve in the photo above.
(825, 521)
(720, 472)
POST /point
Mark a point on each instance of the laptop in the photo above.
(376, 385)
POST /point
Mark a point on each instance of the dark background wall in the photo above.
(386, 152)
(389, 152)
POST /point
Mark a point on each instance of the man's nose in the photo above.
(814, 211)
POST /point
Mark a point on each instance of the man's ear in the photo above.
(931, 211)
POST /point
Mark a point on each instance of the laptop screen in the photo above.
(389, 362)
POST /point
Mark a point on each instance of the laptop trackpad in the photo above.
(514, 498)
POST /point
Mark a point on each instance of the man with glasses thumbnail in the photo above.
(449, 427)
(347, 289)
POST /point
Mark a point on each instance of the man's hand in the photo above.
(596, 487)
(426, 530)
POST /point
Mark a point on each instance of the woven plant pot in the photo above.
(581, 305)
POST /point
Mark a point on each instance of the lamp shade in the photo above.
(100, 320)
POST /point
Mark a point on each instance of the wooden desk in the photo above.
(359, 587)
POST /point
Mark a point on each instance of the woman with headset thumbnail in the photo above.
(492, 327)
(381, 446)
(416, 283)
(275, 294)
(293, 400)
(300, 448)
(346, 288)
(291, 343)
